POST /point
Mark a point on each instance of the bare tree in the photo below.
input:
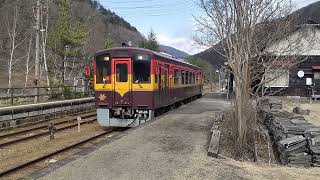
(244, 29)
(44, 36)
(15, 41)
(28, 64)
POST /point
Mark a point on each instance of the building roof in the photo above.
(164, 55)
(304, 40)
(317, 67)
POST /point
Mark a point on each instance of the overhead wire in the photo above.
(156, 6)
(176, 9)
(147, 6)
(164, 9)
(126, 2)
(135, 1)
(151, 8)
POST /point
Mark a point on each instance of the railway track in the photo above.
(42, 131)
(35, 123)
(42, 125)
(22, 165)
(36, 160)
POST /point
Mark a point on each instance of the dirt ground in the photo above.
(314, 107)
(172, 147)
(227, 146)
(18, 153)
(209, 88)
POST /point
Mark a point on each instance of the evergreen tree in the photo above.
(207, 68)
(152, 42)
(108, 43)
(68, 36)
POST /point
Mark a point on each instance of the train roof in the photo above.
(164, 55)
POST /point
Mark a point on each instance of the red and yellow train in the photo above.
(133, 84)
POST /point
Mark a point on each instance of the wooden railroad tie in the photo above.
(213, 149)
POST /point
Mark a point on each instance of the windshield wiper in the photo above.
(137, 82)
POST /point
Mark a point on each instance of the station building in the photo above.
(302, 78)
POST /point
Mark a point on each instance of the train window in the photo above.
(122, 72)
(140, 56)
(166, 76)
(187, 77)
(155, 73)
(197, 78)
(183, 74)
(103, 69)
(193, 78)
(141, 71)
(176, 77)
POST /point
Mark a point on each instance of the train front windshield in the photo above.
(103, 68)
(141, 68)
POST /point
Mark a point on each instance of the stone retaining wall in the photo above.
(16, 115)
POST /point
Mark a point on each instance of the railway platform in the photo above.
(173, 146)
(14, 116)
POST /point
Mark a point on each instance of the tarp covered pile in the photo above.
(297, 141)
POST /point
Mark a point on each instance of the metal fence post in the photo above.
(11, 91)
(58, 92)
(38, 95)
(75, 91)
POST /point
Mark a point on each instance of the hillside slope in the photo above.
(309, 13)
(173, 51)
(306, 14)
(103, 23)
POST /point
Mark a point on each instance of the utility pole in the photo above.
(37, 60)
(218, 72)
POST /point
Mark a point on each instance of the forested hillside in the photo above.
(17, 37)
(173, 51)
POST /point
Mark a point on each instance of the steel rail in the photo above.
(38, 159)
(45, 126)
(42, 121)
(43, 133)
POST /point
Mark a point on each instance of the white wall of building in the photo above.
(305, 41)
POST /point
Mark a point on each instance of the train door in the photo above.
(122, 81)
(166, 89)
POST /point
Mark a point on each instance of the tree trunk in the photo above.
(37, 58)
(27, 63)
(12, 35)
(44, 43)
(63, 70)
(242, 97)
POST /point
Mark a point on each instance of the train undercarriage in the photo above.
(123, 117)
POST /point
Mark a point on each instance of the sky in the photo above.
(171, 20)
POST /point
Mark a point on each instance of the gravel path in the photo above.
(172, 147)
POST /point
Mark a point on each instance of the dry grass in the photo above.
(255, 171)
(228, 145)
